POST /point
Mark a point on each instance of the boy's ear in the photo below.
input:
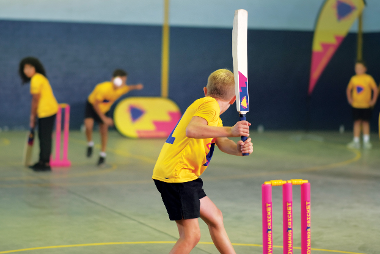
(233, 100)
(205, 90)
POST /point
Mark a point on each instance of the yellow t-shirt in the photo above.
(184, 159)
(107, 95)
(47, 105)
(361, 86)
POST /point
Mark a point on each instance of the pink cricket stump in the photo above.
(66, 136)
(287, 209)
(305, 219)
(267, 218)
(57, 161)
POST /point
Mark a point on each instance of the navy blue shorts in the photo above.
(182, 200)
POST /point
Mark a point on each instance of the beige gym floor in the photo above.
(116, 209)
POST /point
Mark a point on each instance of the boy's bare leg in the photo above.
(89, 124)
(357, 128)
(103, 128)
(366, 128)
(189, 236)
(214, 219)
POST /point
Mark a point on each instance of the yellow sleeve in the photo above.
(35, 85)
(220, 123)
(126, 89)
(208, 111)
(350, 84)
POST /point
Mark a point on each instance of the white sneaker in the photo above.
(353, 145)
(367, 145)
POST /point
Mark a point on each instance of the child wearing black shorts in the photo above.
(362, 94)
(98, 105)
(185, 156)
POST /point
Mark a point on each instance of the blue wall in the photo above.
(77, 56)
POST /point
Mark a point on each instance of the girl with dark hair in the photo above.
(44, 106)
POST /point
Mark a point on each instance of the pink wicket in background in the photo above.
(57, 161)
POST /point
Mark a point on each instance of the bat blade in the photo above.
(240, 60)
(28, 150)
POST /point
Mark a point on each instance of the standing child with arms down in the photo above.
(187, 153)
(44, 107)
(362, 94)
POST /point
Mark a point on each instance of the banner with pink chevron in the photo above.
(334, 22)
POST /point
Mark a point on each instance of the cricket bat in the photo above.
(28, 150)
(240, 62)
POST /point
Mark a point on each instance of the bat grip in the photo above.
(31, 135)
(243, 138)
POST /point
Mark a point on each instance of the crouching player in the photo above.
(98, 105)
(187, 153)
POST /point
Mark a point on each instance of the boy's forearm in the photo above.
(206, 131)
(135, 87)
(375, 95)
(348, 93)
(98, 111)
(228, 146)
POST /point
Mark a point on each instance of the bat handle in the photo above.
(243, 138)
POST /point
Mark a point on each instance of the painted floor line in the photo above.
(155, 242)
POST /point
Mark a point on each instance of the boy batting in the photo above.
(185, 156)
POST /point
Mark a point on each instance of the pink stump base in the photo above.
(60, 163)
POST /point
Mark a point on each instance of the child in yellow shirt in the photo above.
(362, 94)
(186, 154)
(44, 107)
(99, 103)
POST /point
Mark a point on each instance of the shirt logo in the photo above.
(359, 89)
(210, 153)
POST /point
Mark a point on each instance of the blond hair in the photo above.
(221, 84)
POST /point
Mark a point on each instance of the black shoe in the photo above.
(40, 167)
(44, 168)
(89, 151)
(101, 161)
(36, 165)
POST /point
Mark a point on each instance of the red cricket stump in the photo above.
(57, 161)
(287, 208)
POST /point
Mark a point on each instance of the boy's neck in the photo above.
(223, 105)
